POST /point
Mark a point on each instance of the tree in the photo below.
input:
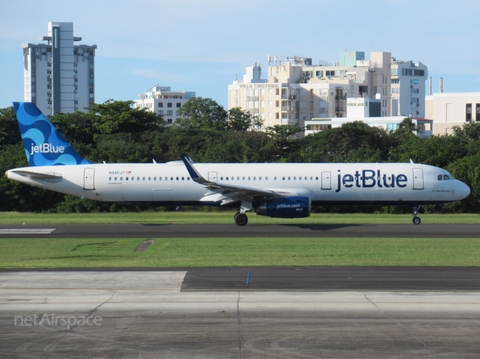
(119, 116)
(352, 142)
(242, 120)
(202, 113)
(284, 141)
(9, 133)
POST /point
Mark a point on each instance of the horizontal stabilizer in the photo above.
(36, 175)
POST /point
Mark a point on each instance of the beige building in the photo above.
(451, 109)
(296, 91)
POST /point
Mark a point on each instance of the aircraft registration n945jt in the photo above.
(284, 190)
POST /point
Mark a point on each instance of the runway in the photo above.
(226, 231)
(159, 313)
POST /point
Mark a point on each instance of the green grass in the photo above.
(204, 252)
(214, 217)
(187, 252)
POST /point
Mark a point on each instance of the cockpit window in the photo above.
(445, 177)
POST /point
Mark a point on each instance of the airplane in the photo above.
(282, 190)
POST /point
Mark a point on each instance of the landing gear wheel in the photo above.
(416, 220)
(241, 219)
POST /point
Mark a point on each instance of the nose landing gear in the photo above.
(416, 220)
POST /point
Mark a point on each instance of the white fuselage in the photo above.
(324, 183)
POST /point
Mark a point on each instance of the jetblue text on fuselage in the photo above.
(370, 179)
(46, 148)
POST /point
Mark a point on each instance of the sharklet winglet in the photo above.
(194, 174)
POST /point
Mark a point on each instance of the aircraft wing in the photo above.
(227, 193)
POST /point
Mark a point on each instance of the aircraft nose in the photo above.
(462, 190)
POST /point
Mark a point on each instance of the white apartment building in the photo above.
(163, 101)
(408, 88)
(424, 128)
(449, 109)
(58, 75)
(296, 91)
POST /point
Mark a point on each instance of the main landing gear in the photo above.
(416, 220)
(241, 219)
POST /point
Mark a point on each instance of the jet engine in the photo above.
(285, 207)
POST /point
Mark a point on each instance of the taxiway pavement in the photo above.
(145, 314)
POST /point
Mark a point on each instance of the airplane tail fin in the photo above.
(44, 145)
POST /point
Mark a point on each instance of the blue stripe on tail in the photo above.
(44, 145)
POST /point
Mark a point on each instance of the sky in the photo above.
(204, 46)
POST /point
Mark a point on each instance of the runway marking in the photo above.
(27, 230)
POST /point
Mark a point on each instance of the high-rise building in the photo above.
(59, 75)
(408, 88)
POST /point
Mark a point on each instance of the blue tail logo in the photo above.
(44, 145)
